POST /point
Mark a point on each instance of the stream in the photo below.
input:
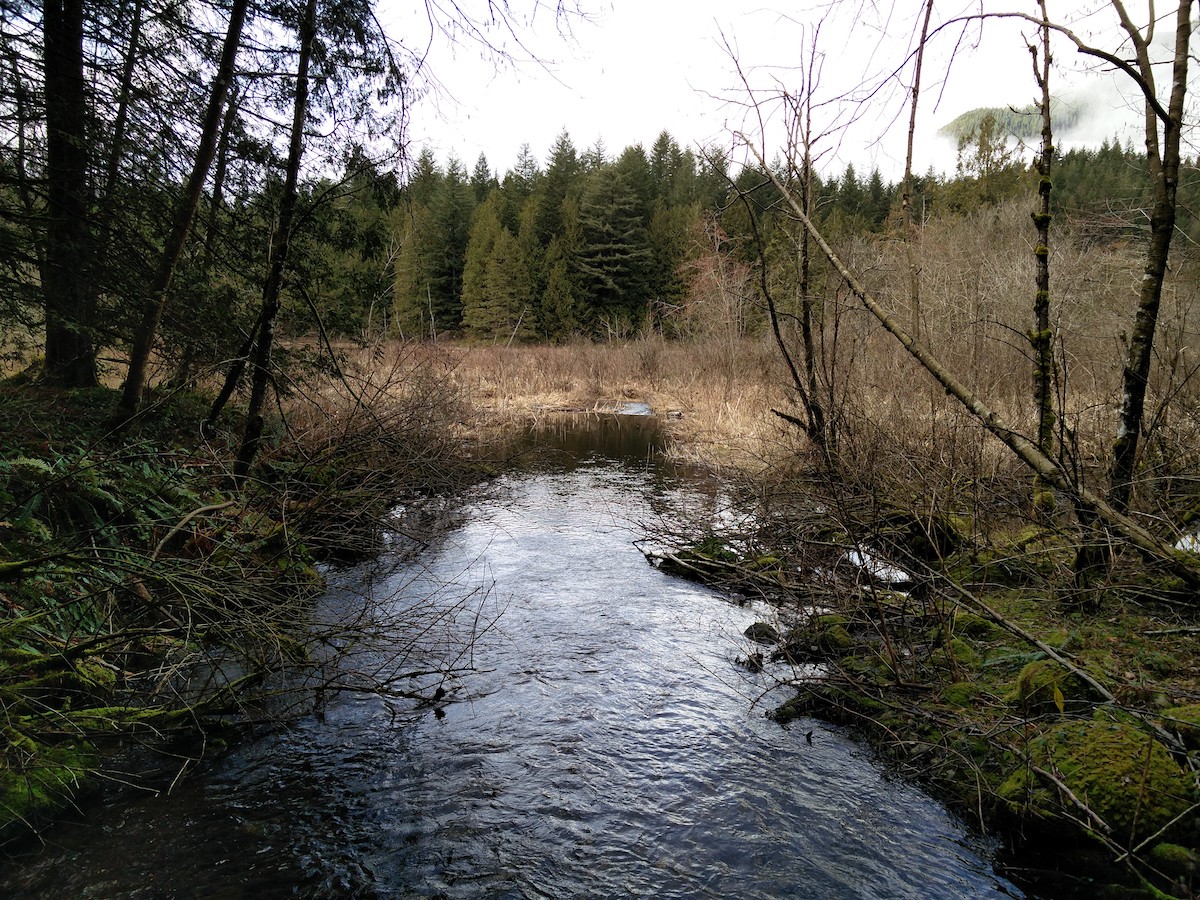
(594, 738)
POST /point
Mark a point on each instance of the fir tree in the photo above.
(614, 252)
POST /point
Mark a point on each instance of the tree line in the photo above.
(597, 246)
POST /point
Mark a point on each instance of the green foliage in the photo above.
(615, 253)
(342, 266)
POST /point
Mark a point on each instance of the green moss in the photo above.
(834, 638)
(46, 778)
(762, 562)
(1186, 721)
(1122, 774)
(961, 693)
(868, 667)
(956, 653)
(1173, 860)
(97, 676)
(977, 628)
(1045, 686)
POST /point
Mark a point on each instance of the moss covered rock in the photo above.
(960, 693)
(1174, 861)
(977, 628)
(762, 633)
(1122, 774)
(822, 637)
(955, 654)
(832, 634)
(1186, 721)
(1045, 686)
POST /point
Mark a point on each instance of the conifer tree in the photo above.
(509, 290)
(561, 178)
(478, 318)
(560, 310)
(614, 252)
(483, 182)
(413, 314)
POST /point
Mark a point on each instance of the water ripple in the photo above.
(605, 745)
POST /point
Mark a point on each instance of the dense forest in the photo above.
(602, 247)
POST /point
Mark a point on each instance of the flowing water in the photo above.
(596, 739)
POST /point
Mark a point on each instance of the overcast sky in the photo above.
(637, 67)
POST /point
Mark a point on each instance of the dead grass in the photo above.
(715, 398)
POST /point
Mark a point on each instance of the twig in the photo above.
(1058, 783)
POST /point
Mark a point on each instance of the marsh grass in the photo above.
(715, 398)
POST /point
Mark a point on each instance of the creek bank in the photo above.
(1050, 726)
(149, 603)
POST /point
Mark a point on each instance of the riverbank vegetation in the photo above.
(154, 600)
(965, 441)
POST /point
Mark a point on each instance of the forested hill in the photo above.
(601, 245)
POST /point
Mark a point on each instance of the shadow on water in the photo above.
(572, 439)
(592, 738)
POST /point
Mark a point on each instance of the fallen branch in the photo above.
(1185, 565)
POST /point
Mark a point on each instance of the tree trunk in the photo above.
(1042, 337)
(279, 250)
(143, 338)
(1164, 172)
(911, 231)
(70, 355)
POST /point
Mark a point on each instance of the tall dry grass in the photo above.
(975, 303)
(716, 395)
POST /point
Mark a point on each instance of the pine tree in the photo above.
(561, 178)
(614, 252)
(479, 316)
(560, 312)
(509, 290)
(483, 182)
(413, 311)
(451, 208)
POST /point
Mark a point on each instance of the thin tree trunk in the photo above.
(271, 289)
(232, 377)
(1164, 171)
(143, 338)
(117, 150)
(1042, 337)
(191, 342)
(818, 422)
(70, 355)
(911, 232)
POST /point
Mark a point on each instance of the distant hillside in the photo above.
(1024, 123)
